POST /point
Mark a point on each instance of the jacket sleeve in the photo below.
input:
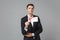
(39, 28)
(22, 27)
(24, 32)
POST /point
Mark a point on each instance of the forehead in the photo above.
(30, 6)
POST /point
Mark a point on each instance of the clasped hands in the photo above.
(28, 35)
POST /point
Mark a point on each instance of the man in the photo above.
(30, 25)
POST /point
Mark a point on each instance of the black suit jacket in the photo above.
(36, 29)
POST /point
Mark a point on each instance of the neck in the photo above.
(30, 15)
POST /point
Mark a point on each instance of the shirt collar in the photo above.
(29, 16)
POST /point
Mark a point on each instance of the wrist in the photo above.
(33, 34)
(25, 29)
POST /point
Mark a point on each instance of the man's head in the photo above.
(30, 8)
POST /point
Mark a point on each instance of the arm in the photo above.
(39, 28)
(25, 30)
(22, 27)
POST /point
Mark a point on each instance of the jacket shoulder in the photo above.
(36, 16)
(23, 17)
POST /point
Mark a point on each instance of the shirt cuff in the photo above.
(33, 34)
(25, 29)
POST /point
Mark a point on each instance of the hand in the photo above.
(26, 24)
(28, 35)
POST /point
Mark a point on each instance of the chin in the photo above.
(31, 12)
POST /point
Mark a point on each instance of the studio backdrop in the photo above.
(11, 12)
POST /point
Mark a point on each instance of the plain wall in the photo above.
(11, 12)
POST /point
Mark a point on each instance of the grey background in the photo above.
(11, 12)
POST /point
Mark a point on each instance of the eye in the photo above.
(29, 8)
(32, 8)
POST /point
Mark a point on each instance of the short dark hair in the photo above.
(30, 5)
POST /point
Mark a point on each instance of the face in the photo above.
(30, 9)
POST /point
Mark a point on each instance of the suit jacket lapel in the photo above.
(26, 18)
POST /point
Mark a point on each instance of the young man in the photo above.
(30, 25)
